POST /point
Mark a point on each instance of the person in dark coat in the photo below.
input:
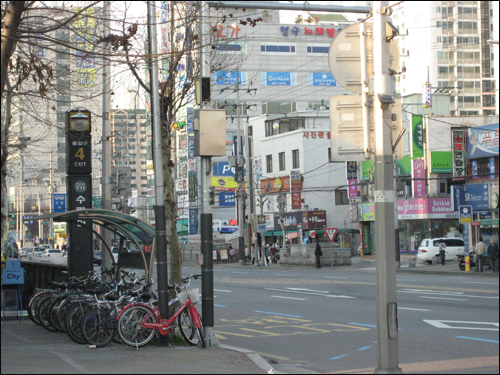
(318, 253)
(493, 254)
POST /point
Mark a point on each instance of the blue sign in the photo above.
(26, 219)
(491, 167)
(477, 196)
(193, 221)
(227, 199)
(191, 146)
(457, 196)
(482, 142)
(189, 119)
(228, 229)
(222, 168)
(58, 202)
(321, 79)
(352, 170)
(229, 78)
(13, 273)
(278, 79)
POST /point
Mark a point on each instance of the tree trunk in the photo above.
(10, 25)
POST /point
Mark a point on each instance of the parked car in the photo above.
(45, 246)
(429, 248)
(52, 253)
(38, 251)
(23, 253)
(97, 257)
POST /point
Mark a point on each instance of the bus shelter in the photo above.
(126, 227)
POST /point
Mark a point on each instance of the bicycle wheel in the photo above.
(129, 328)
(63, 310)
(74, 322)
(43, 314)
(52, 313)
(188, 329)
(98, 328)
(33, 306)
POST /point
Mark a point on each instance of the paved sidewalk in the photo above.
(30, 349)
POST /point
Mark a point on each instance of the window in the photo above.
(277, 49)
(296, 160)
(341, 198)
(269, 163)
(278, 107)
(282, 161)
(280, 126)
(317, 48)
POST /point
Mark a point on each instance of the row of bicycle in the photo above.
(96, 310)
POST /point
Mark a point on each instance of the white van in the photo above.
(429, 248)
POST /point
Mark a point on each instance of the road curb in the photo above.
(255, 358)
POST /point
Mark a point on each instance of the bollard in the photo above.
(467, 263)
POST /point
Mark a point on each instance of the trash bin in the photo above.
(411, 263)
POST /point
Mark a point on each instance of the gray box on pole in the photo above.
(210, 132)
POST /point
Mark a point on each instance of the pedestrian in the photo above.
(147, 249)
(318, 253)
(252, 253)
(493, 254)
(267, 253)
(480, 249)
(63, 247)
(245, 251)
(442, 251)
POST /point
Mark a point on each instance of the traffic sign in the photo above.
(331, 233)
(465, 214)
(261, 223)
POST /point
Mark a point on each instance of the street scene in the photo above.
(250, 187)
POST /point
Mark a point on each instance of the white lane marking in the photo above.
(242, 273)
(308, 290)
(283, 274)
(408, 308)
(222, 290)
(478, 282)
(299, 299)
(451, 299)
(314, 294)
(467, 324)
(443, 293)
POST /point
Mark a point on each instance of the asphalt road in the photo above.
(303, 319)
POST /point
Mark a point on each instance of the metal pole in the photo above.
(51, 222)
(161, 238)
(106, 140)
(239, 167)
(387, 329)
(250, 190)
(206, 231)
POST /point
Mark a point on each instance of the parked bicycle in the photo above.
(138, 323)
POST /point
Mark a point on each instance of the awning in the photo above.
(269, 233)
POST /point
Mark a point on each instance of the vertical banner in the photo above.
(418, 178)
(193, 221)
(84, 39)
(192, 186)
(458, 154)
(296, 187)
(353, 189)
(491, 168)
(417, 150)
(474, 168)
(164, 40)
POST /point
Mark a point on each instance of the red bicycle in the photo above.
(138, 322)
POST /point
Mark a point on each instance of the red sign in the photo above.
(296, 187)
(331, 233)
(275, 184)
(315, 135)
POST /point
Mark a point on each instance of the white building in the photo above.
(446, 44)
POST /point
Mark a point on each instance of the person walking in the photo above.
(493, 254)
(318, 253)
(480, 249)
(252, 253)
(442, 251)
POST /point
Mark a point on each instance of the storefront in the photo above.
(418, 219)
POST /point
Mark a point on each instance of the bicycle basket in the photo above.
(193, 293)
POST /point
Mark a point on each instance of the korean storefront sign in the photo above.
(477, 196)
(417, 137)
(419, 178)
(441, 162)
(409, 209)
(313, 220)
(279, 79)
(308, 30)
(459, 161)
(482, 142)
(321, 79)
(296, 187)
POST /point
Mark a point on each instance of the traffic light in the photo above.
(211, 198)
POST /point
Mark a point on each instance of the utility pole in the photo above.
(161, 237)
(206, 231)
(51, 222)
(239, 174)
(387, 326)
(106, 141)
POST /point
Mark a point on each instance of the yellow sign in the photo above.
(278, 184)
(62, 235)
(224, 183)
